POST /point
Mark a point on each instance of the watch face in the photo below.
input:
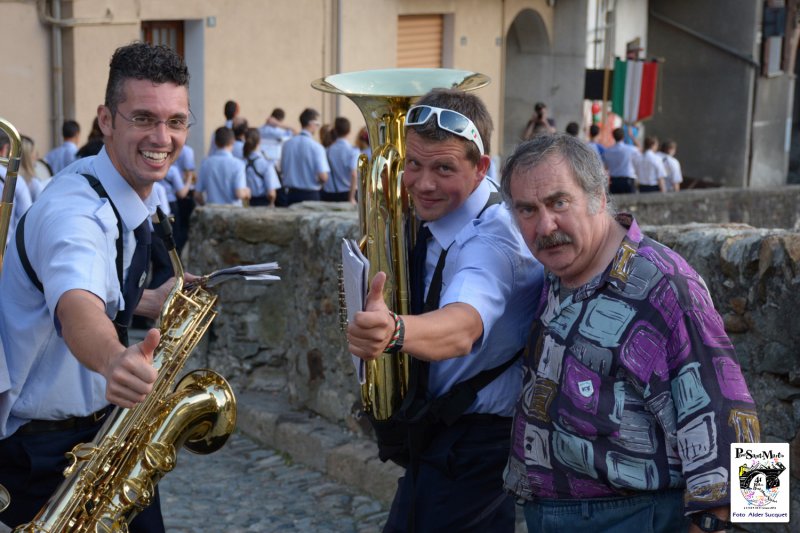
(706, 522)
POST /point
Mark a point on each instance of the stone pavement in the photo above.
(248, 485)
(282, 470)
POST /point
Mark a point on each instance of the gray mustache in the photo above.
(554, 239)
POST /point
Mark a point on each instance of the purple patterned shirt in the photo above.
(630, 385)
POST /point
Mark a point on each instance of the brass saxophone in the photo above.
(6, 207)
(113, 477)
(386, 216)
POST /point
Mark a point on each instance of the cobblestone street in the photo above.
(245, 487)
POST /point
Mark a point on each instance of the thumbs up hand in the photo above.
(370, 331)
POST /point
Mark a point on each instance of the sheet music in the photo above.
(355, 273)
(259, 272)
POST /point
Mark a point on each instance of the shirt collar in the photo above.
(130, 206)
(616, 272)
(445, 229)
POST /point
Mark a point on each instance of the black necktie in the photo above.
(137, 273)
(418, 382)
(418, 258)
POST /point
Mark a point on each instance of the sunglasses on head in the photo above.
(447, 120)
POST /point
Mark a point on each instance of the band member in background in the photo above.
(632, 392)
(65, 360)
(343, 160)
(304, 164)
(471, 321)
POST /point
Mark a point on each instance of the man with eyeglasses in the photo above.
(474, 285)
(69, 294)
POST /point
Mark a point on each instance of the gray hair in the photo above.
(582, 159)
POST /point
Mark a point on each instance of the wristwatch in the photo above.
(710, 522)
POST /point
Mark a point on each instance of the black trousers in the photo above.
(183, 214)
(335, 196)
(621, 185)
(259, 200)
(649, 188)
(459, 486)
(302, 195)
(32, 466)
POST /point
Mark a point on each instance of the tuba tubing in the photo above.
(6, 208)
(11, 163)
(386, 214)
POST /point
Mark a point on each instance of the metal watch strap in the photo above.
(710, 522)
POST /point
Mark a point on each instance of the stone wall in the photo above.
(773, 207)
(284, 337)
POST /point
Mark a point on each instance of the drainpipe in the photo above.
(57, 78)
(56, 23)
(338, 69)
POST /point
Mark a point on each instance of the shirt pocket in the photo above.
(588, 403)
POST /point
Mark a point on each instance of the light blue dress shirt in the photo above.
(490, 268)
(343, 160)
(219, 176)
(61, 156)
(173, 182)
(261, 175)
(185, 160)
(302, 159)
(272, 139)
(70, 239)
(620, 159)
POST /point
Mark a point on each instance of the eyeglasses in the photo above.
(148, 122)
(447, 120)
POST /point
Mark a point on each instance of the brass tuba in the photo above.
(6, 207)
(113, 478)
(386, 216)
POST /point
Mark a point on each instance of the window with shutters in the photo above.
(166, 32)
(419, 41)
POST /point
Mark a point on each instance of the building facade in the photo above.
(730, 118)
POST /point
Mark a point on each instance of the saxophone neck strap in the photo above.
(122, 332)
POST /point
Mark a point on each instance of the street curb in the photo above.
(316, 443)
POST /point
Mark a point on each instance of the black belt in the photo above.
(76, 422)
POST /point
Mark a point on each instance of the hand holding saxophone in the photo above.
(130, 374)
(371, 330)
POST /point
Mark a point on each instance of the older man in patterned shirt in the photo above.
(632, 392)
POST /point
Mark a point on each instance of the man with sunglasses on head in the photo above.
(472, 296)
(73, 277)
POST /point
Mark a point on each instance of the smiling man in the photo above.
(632, 392)
(472, 296)
(69, 294)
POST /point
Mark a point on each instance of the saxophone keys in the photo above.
(137, 492)
(160, 456)
(79, 454)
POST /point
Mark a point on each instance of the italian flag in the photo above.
(633, 95)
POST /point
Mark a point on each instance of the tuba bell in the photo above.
(6, 207)
(386, 216)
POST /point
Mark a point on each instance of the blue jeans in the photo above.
(652, 512)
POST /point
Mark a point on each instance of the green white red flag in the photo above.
(633, 95)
